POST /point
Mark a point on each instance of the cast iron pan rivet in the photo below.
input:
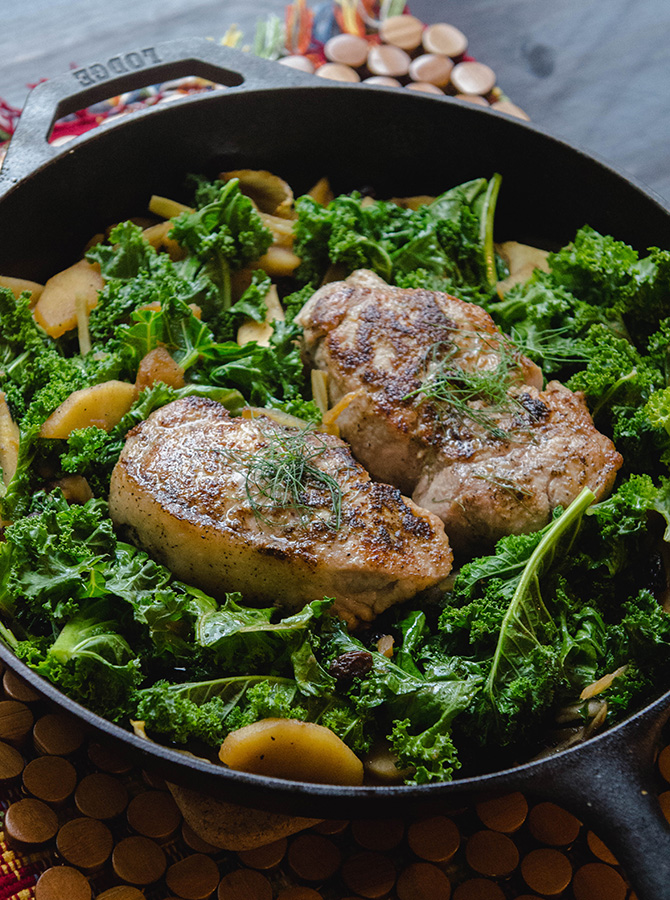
(596, 881)
(194, 878)
(423, 881)
(331, 826)
(314, 857)
(599, 849)
(154, 814)
(244, 884)
(108, 759)
(402, 31)
(11, 763)
(492, 853)
(30, 824)
(444, 39)
(195, 842)
(101, 796)
(50, 778)
(16, 688)
(369, 874)
(546, 871)
(62, 883)
(506, 814)
(435, 839)
(267, 857)
(551, 824)
(478, 889)
(57, 734)
(378, 834)
(138, 860)
(16, 720)
(85, 843)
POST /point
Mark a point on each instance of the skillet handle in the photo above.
(609, 783)
(29, 148)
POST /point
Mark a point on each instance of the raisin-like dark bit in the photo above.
(350, 665)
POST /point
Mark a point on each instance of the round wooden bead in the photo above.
(108, 758)
(297, 62)
(431, 68)
(382, 80)
(506, 106)
(121, 892)
(30, 823)
(11, 763)
(447, 40)
(596, 881)
(16, 720)
(154, 814)
(546, 871)
(383, 59)
(244, 884)
(473, 98)
(338, 72)
(551, 824)
(424, 87)
(601, 850)
(479, 889)
(314, 857)
(50, 778)
(195, 842)
(491, 853)
(57, 734)
(506, 814)
(663, 763)
(423, 881)
(85, 843)
(404, 31)
(369, 874)
(347, 49)
(101, 796)
(62, 883)
(473, 78)
(267, 857)
(16, 688)
(193, 878)
(299, 892)
(435, 839)
(138, 860)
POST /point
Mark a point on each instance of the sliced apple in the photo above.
(9, 441)
(261, 332)
(522, 260)
(102, 406)
(56, 309)
(18, 285)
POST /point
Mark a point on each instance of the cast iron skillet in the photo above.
(52, 199)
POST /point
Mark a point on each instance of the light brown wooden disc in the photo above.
(298, 62)
(383, 59)
(546, 871)
(551, 824)
(194, 877)
(138, 860)
(597, 881)
(599, 849)
(195, 842)
(435, 839)
(347, 49)
(299, 892)
(30, 823)
(382, 80)
(506, 814)
(85, 843)
(50, 778)
(506, 106)
(404, 31)
(11, 763)
(314, 857)
(378, 834)
(16, 720)
(121, 892)
(331, 826)
(57, 734)
(424, 87)
(664, 803)
(444, 39)
(369, 874)
(154, 814)
(663, 763)
(108, 759)
(473, 98)
(478, 889)
(16, 688)
(62, 883)
(492, 853)
(244, 884)
(423, 881)
(267, 857)
(101, 796)
(338, 72)
(473, 78)
(431, 68)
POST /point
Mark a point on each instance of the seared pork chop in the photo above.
(443, 406)
(283, 515)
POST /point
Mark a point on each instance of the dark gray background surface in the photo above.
(595, 72)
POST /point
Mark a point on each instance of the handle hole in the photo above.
(102, 84)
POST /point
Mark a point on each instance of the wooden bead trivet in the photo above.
(500, 849)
